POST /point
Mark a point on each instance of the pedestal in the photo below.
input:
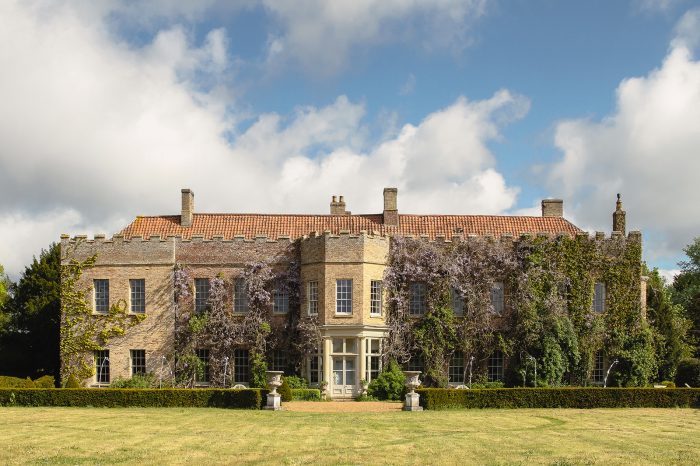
(274, 401)
(412, 402)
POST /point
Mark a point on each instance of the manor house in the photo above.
(341, 257)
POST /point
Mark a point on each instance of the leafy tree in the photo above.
(31, 348)
(670, 326)
(5, 285)
(686, 290)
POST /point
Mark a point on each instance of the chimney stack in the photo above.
(552, 208)
(187, 208)
(619, 216)
(391, 212)
(338, 206)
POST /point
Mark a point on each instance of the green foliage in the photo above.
(72, 382)
(296, 382)
(15, 382)
(390, 384)
(436, 336)
(190, 370)
(258, 367)
(670, 326)
(686, 290)
(45, 381)
(579, 398)
(5, 285)
(306, 394)
(688, 373)
(136, 381)
(31, 318)
(482, 385)
(285, 391)
(81, 331)
(111, 398)
(198, 323)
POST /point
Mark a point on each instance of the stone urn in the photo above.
(274, 399)
(412, 398)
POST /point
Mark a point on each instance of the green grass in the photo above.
(219, 436)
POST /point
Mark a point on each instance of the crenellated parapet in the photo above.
(344, 248)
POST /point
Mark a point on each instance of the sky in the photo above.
(108, 109)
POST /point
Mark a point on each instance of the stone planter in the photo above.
(412, 398)
(274, 399)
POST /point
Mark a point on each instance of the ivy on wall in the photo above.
(548, 314)
(82, 331)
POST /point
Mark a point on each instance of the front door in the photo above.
(344, 382)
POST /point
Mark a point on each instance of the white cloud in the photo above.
(646, 149)
(409, 86)
(669, 274)
(320, 35)
(94, 131)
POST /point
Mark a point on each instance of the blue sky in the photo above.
(470, 106)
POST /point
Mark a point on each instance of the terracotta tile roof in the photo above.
(295, 226)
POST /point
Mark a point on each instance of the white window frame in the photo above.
(343, 296)
(312, 297)
(417, 299)
(376, 298)
(373, 356)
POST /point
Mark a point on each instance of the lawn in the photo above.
(218, 436)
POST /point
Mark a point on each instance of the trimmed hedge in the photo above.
(440, 398)
(15, 382)
(251, 398)
(306, 394)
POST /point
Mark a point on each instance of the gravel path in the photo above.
(342, 406)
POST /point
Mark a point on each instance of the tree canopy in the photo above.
(686, 289)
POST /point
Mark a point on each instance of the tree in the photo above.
(670, 326)
(31, 346)
(5, 285)
(686, 289)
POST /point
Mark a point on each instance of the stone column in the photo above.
(327, 362)
(363, 358)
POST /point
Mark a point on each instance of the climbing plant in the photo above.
(547, 320)
(82, 331)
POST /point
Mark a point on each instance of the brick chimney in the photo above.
(187, 208)
(552, 208)
(619, 216)
(391, 212)
(338, 206)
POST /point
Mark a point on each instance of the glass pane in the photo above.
(374, 346)
(350, 364)
(337, 345)
(337, 371)
(350, 345)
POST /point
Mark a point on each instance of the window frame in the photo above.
(455, 368)
(343, 296)
(599, 297)
(417, 299)
(312, 297)
(457, 301)
(598, 371)
(201, 305)
(495, 366)
(101, 369)
(137, 297)
(376, 298)
(240, 297)
(204, 355)
(280, 299)
(241, 360)
(137, 359)
(498, 298)
(100, 288)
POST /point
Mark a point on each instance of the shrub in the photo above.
(585, 397)
(496, 384)
(296, 382)
(668, 384)
(688, 372)
(15, 382)
(136, 381)
(389, 385)
(306, 394)
(46, 381)
(72, 382)
(110, 397)
(285, 391)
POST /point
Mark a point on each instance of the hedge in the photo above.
(15, 382)
(306, 394)
(440, 398)
(251, 398)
